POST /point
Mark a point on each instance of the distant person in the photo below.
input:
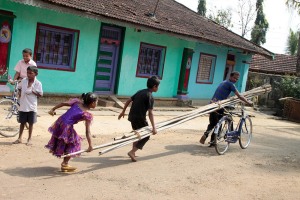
(22, 65)
(142, 101)
(222, 92)
(30, 89)
(64, 138)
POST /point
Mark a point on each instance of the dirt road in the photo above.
(173, 164)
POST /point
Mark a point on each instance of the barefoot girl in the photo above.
(64, 138)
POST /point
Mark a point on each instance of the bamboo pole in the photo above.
(146, 131)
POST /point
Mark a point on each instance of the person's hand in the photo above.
(154, 131)
(90, 149)
(11, 81)
(52, 112)
(121, 115)
(250, 103)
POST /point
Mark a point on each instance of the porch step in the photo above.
(118, 103)
(106, 103)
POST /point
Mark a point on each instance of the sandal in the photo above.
(67, 168)
(29, 143)
(18, 141)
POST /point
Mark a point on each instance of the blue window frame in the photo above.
(151, 60)
(206, 68)
(56, 47)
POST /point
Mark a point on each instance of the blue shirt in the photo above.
(224, 90)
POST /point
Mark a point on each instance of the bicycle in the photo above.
(224, 133)
(9, 113)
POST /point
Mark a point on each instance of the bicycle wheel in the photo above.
(221, 144)
(9, 126)
(246, 133)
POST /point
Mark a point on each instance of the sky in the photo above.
(280, 19)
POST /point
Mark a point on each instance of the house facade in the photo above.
(113, 47)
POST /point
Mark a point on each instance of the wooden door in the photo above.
(107, 62)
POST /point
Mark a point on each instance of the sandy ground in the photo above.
(173, 164)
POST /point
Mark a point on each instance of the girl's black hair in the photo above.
(89, 98)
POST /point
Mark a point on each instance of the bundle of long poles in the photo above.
(144, 132)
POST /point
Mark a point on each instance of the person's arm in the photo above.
(250, 103)
(52, 111)
(17, 75)
(88, 135)
(38, 90)
(37, 94)
(18, 71)
(151, 118)
(122, 114)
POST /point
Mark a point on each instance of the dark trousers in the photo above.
(137, 124)
(214, 118)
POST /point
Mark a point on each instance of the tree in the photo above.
(202, 7)
(246, 13)
(292, 43)
(261, 25)
(296, 4)
(293, 4)
(223, 17)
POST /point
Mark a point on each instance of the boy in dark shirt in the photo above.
(142, 101)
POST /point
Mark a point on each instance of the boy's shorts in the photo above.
(137, 124)
(29, 117)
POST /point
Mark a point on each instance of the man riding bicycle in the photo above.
(221, 93)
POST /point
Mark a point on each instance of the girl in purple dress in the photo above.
(64, 138)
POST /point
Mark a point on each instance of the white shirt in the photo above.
(21, 67)
(28, 100)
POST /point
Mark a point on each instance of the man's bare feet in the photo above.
(18, 141)
(131, 156)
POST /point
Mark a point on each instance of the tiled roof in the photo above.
(171, 17)
(282, 64)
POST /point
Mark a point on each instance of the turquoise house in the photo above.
(112, 47)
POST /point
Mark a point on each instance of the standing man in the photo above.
(221, 93)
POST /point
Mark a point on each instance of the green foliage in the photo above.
(292, 43)
(202, 7)
(288, 86)
(223, 17)
(259, 31)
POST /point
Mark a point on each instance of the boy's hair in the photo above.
(89, 98)
(234, 73)
(27, 50)
(152, 82)
(34, 69)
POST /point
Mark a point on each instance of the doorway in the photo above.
(108, 59)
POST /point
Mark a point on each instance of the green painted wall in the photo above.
(206, 91)
(82, 80)
(24, 32)
(129, 83)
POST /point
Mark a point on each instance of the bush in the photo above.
(288, 86)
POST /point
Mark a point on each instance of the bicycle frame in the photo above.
(232, 136)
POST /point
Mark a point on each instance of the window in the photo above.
(206, 68)
(56, 47)
(151, 60)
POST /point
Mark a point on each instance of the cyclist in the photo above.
(221, 93)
